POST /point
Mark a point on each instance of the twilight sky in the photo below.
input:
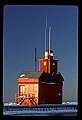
(24, 29)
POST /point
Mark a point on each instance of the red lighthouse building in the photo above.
(43, 86)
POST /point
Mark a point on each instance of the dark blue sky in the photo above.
(24, 29)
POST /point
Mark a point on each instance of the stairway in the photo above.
(21, 101)
(32, 101)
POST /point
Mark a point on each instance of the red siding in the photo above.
(49, 93)
(50, 67)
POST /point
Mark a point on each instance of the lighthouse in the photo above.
(44, 86)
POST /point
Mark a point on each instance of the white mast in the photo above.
(45, 32)
(49, 38)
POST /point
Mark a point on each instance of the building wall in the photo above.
(53, 66)
(44, 65)
(28, 88)
(42, 91)
(50, 93)
(48, 65)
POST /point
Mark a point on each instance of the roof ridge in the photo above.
(30, 74)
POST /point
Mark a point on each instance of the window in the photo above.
(46, 53)
(44, 63)
(59, 93)
(53, 63)
(51, 54)
(22, 89)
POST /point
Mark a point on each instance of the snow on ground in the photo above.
(10, 103)
(75, 103)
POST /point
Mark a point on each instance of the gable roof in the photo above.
(53, 77)
(30, 74)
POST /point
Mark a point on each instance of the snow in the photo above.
(66, 103)
(22, 75)
(74, 103)
(50, 83)
(10, 103)
(63, 104)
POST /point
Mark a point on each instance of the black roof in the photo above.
(30, 74)
(52, 78)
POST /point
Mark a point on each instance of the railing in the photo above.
(40, 107)
(32, 100)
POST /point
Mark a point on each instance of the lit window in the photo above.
(22, 89)
(59, 94)
(44, 63)
(46, 53)
(53, 63)
(51, 54)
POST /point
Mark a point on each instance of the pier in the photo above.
(48, 109)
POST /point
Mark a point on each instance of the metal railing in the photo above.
(40, 107)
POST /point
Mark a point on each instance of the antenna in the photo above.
(45, 32)
(35, 60)
(49, 38)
